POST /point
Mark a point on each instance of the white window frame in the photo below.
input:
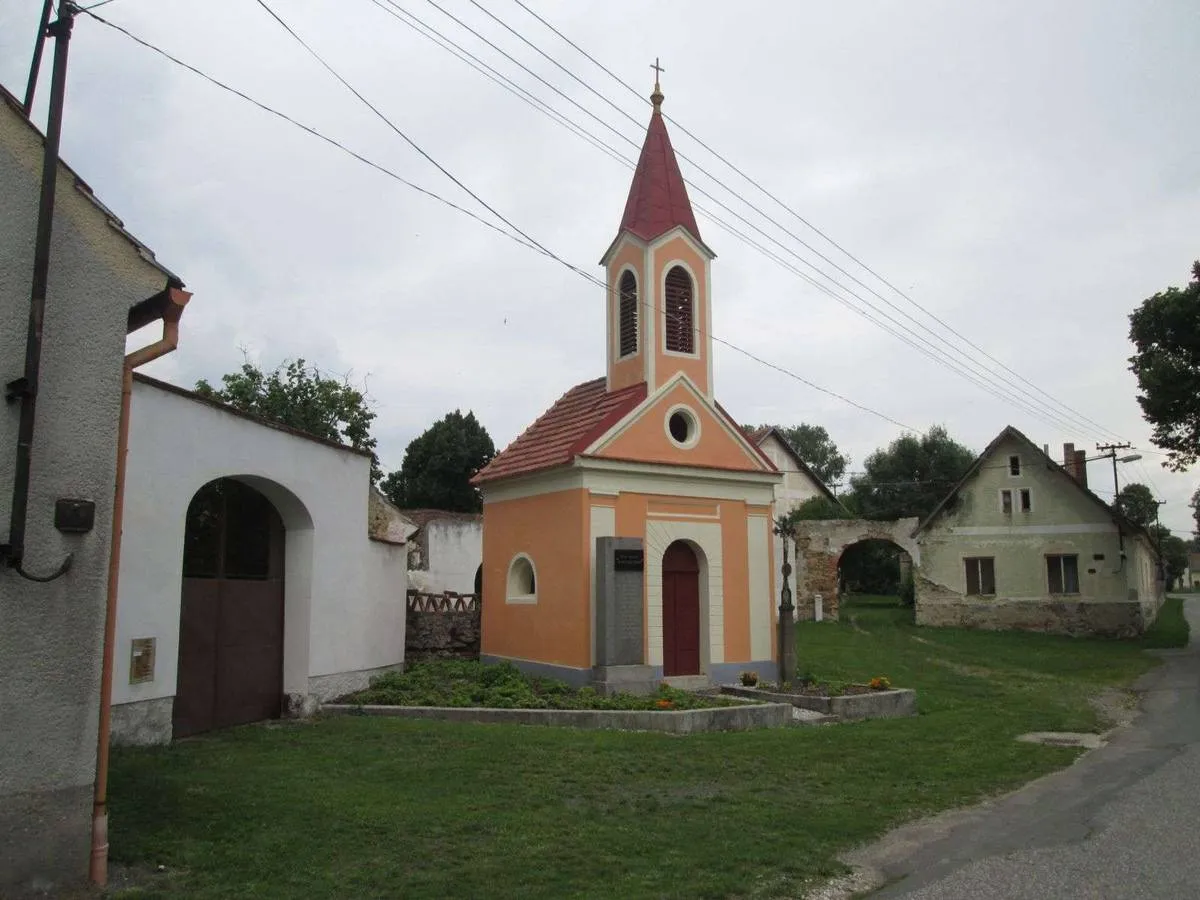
(1021, 494)
(694, 437)
(617, 314)
(662, 317)
(1000, 499)
(1062, 575)
(967, 560)
(1017, 457)
(512, 596)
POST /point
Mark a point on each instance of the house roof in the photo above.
(658, 199)
(17, 109)
(758, 435)
(576, 419)
(1010, 432)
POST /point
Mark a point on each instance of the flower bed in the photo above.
(876, 699)
(471, 684)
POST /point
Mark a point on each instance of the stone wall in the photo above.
(937, 605)
(819, 548)
(441, 625)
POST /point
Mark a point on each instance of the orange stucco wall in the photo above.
(736, 576)
(632, 512)
(552, 529)
(666, 365)
(630, 370)
(646, 440)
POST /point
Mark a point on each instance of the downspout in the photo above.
(25, 388)
(176, 300)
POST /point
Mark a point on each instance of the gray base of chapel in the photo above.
(608, 680)
(576, 678)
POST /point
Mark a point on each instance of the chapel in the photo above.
(646, 452)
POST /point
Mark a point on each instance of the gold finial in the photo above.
(657, 97)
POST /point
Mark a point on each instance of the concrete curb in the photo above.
(891, 704)
(679, 721)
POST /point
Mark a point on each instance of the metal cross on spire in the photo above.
(657, 97)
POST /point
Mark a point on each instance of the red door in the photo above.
(231, 616)
(681, 611)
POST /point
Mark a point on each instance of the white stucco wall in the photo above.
(455, 553)
(797, 486)
(51, 634)
(344, 593)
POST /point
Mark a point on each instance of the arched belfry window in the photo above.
(680, 300)
(628, 314)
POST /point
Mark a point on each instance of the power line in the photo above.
(1022, 401)
(510, 235)
(978, 376)
(1069, 410)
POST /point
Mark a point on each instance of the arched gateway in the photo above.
(819, 549)
(231, 616)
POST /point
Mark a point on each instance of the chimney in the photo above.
(1081, 467)
(1075, 462)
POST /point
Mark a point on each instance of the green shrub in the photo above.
(463, 683)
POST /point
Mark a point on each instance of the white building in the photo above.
(445, 551)
(249, 584)
(799, 484)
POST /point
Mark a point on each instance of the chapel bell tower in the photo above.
(657, 270)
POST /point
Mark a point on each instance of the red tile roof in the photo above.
(658, 200)
(565, 430)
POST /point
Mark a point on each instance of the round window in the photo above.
(681, 426)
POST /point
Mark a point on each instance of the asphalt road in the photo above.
(1123, 823)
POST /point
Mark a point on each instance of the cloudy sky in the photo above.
(1026, 172)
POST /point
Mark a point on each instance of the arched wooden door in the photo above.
(681, 610)
(231, 611)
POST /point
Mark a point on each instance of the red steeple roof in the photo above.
(658, 200)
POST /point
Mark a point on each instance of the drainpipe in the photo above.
(25, 389)
(176, 300)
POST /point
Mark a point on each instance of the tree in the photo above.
(302, 398)
(438, 466)
(911, 475)
(1195, 505)
(1174, 552)
(817, 509)
(1166, 331)
(813, 444)
(1136, 503)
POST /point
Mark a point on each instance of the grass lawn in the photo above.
(372, 807)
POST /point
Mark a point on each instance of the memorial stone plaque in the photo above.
(620, 601)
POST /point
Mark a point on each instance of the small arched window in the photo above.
(628, 314)
(522, 581)
(680, 299)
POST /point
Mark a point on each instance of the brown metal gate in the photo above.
(231, 618)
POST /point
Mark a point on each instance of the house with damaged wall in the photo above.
(1020, 542)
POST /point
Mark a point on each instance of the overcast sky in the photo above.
(1027, 172)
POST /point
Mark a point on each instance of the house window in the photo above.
(1014, 466)
(981, 576)
(522, 580)
(1006, 502)
(680, 300)
(628, 314)
(1026, 500)
(1062, 573)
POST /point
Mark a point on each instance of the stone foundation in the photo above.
(1079, 617)
(329, 687)
(142, 722)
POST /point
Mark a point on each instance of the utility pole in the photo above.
(1110, 450)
